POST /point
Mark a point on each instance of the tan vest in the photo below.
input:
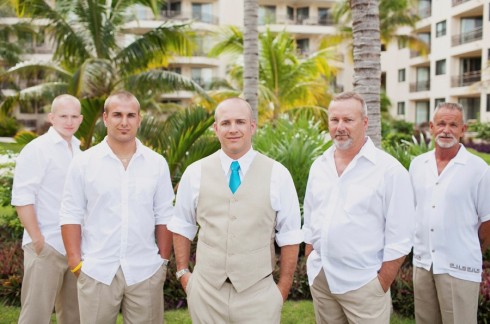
(236, 235)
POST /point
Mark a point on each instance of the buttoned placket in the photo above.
(125, 181)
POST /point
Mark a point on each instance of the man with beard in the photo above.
(358, 221)
(451, 189)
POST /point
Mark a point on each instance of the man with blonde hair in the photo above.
(38, 185)
(243, 201)
(358, 221)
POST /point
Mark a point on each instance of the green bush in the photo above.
(23, 137)
(8, 126)
(482, 129)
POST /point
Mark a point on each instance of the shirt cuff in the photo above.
(485, 218)
(289, 238)
(69, 220)
(396, 251)
(178, 226)
(23, 201)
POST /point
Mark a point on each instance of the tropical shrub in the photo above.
(405, 151)
(8, 126)
(295, 144)
(482, 129)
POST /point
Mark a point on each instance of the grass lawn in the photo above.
(484, 156)
(294, 312)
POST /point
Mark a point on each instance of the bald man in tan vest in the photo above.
(242, 202)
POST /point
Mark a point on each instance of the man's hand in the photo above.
(73, 263)
(184, 280)
(284, 291)
(38, 244)
(385, 284)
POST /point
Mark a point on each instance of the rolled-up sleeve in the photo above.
(73, 204)
(164, 196)
(284, 200)
(399, 214)
(29, 169)
(184, 220)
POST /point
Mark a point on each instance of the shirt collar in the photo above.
(56, 137)
(107, 151)
(461, 157)
(245, 161)
(368, 151)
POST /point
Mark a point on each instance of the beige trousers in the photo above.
(261, 303)
(139, 303)
(442, 298)
(47, 284)
(368, 304)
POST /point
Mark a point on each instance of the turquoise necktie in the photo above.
(235, 177)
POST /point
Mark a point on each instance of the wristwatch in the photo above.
(181, 272)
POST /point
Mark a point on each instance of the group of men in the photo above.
(99, 224)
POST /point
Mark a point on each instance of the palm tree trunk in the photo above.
(367, 65)
(251, 54)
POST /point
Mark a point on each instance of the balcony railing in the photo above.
(466, 79)
(420, 86)
(316, 21)
(458, 2)
(470, 36)
(180, 15)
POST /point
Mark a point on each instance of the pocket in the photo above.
(189, 285)
(379, 291)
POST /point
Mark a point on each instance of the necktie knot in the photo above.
(235, 176)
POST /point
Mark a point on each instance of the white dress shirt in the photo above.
(358, 220)
(449, 210)
(39, 178)
(284, 199)
(118, 210)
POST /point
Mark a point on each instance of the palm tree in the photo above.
(367, 64)
(287, 82)
(91, 58)
(251, 54)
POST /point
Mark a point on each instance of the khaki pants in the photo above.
(442, 298)
(140, 303)
(261, 303)
(47, 284)
(368, 304)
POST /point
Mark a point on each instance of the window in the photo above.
(437, 101)
(421, 112)
(303, 46)
(267, 15)
(471, 107)
(488, 102)
(325, 17)
(402, 43)
(290, 13)
(400, 109)
(401, 75)
(302, 14)
(203, 12)
(440, 67)
(202, 76)
(441, 29)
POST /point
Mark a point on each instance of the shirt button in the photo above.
(437, 183)
(433, 251)
(433, 206)
(432, 230)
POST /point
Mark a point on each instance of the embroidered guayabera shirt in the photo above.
(449, 210)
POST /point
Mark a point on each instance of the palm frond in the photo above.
(92, 111)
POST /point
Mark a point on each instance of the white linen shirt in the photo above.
(449, 210)
(118, 210)
(39, 178)
(358, 220)
(284, 199)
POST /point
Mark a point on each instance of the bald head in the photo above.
(65, 100)
(233, 102)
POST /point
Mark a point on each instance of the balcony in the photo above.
(420, 86)
(458, 2)
(424, 12)
(466, 79)
(183, 16)
(470, 36)
(287, 20)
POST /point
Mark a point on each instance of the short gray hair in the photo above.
(449, 106)
(352, 95)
